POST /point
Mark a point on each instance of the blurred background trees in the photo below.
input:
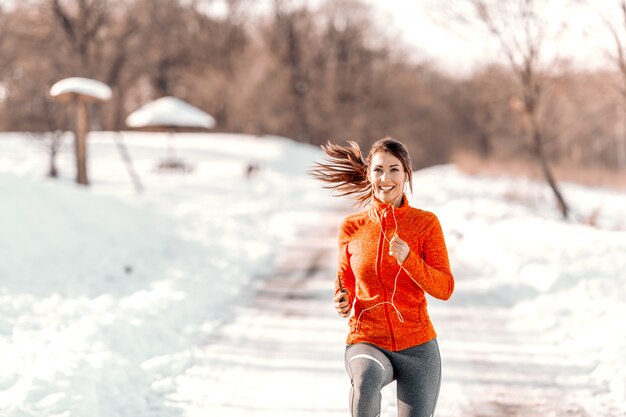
(312, 72)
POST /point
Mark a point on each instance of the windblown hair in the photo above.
(346, 171)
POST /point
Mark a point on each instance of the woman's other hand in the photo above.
(342, 303)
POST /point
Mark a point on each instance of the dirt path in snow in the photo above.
(282, 353)
(492, 370)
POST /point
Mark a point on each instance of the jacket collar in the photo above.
(378, 208)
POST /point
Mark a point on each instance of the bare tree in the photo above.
(81, 21)
(345, 68)
(520, 33)
(170, 39)
(618, 32)
(27, 103)
(52, 136)
(52, 142)
(221, 43)
(522, 44)
(294, 25)
(3, 37)
(481, 105)
(119, 49)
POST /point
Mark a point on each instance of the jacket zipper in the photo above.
(379, 261)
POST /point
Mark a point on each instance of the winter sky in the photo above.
(584, 42)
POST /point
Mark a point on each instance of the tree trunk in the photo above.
(484, 144)
(298, 80)
(128, 162)
(532, 95)
(621, 139)
(547, 172)
(53, 172)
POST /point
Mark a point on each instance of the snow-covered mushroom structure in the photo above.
(80, 91)
(170, 114)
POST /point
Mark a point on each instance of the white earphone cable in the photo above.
(395, 284)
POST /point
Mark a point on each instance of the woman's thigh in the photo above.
(417, 372)
(366, 364)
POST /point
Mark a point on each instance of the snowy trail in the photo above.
(492, 371)
(282, 352)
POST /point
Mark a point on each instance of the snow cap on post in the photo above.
(169, 113)
(85, 88)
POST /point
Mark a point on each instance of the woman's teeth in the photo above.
(389, 188)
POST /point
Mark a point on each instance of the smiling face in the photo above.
(387, 176)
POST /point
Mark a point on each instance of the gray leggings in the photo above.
(417, 372)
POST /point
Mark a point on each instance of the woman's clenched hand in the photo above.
(399, 249)
(342, 303)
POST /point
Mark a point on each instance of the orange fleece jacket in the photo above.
(368, 273)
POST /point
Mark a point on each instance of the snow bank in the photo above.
(562, 282)
(105, 294)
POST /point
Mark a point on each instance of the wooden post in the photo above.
(82, 127)
(80, 91)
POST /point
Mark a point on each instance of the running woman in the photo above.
(389, 256)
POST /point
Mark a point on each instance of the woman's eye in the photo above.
(394, 169)
(378, 170)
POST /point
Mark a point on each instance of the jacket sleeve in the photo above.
(344, 270)
(432, 273)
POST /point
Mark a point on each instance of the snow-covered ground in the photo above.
(543, 298)
(108, 295)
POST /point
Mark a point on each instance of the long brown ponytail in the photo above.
(345, 169)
